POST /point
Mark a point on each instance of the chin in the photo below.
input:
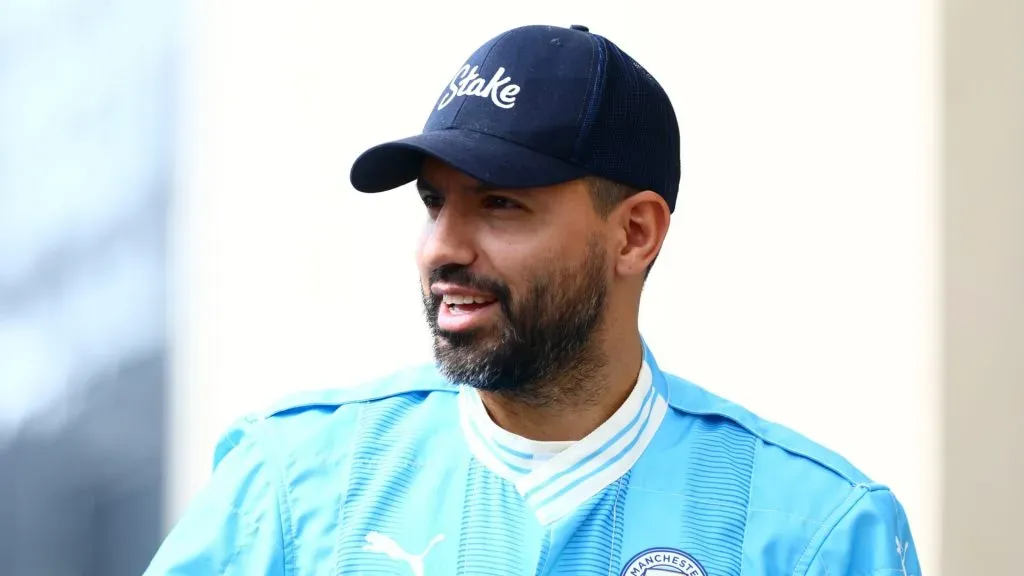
(469, 341)
(464, 348)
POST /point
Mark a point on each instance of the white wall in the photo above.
(800, 276)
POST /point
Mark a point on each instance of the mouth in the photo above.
(466, 311)
(464, 304)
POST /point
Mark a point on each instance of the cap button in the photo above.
(580, 27)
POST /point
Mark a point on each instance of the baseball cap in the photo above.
(537, 106)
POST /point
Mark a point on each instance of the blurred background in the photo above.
(179, 243)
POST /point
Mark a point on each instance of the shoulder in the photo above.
(802, 498)
(279, 474)
(416, 380)
(327, 415)
(302, 448)
(793, 448)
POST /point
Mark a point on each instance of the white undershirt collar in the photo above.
(556, 477)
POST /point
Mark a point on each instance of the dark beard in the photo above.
(544, 336)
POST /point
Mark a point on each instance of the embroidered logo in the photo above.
(467, 82)
(381, 544)
(663, 562)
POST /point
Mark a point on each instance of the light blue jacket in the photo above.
(380, 479)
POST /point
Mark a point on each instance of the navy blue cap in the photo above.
(538, 106)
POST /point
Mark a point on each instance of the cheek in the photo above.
(421, 242)
(421, 268)
(521, 268)
(537, 255)
(506, 258)
(424, 234)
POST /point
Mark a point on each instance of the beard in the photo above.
(544, 335)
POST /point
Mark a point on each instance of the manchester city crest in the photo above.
(663, 562)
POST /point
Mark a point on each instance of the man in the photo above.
(545, 439)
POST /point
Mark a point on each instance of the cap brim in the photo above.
(486, 158)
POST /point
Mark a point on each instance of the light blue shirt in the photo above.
(409, 475)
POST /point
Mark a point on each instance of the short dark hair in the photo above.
(607, 195)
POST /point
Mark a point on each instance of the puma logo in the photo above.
(381, 544)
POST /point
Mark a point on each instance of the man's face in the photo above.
(514, 281)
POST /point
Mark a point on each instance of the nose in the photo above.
(448, 240)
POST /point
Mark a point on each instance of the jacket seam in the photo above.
(821, 537)
(278, 487)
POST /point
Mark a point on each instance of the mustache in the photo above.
(461, 275)
(458, 274)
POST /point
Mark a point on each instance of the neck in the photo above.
(576, 402)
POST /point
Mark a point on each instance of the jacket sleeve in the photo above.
(234, 525)
(871, 538)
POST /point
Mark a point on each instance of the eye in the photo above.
(432, 201)
(501, 203)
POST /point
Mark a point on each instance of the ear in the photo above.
(643, 219)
